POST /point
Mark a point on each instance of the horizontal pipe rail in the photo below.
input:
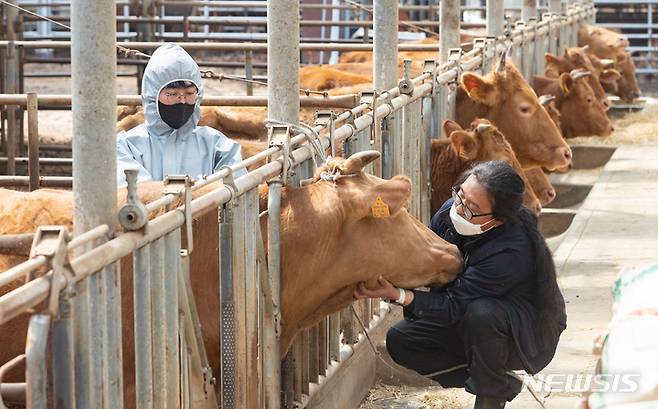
(145, 46)
(343, 101)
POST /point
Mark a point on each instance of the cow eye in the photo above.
(525, 109)
(589, 100)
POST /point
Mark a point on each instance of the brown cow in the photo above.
(626, 87)
(323, 263)
(602, 42)
(234, 122)
(576, 58)
(581, 113)
(505, 98)
(541, 185)
(320, 78)
(461, 149)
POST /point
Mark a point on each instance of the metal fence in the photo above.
(171, 365)
(638, 20)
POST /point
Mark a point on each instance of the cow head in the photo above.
(541, 185)
(581, 113)
(484, 142)
(347, 227)
(506, 99)
(576, 58)
(602, 42)
(627, 87)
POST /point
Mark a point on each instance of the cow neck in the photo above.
(446, 167)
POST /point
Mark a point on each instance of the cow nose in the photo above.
(606, 104)
(550, 195)
(636, 94)
(612, 128)
(537, 208)
(567, 154)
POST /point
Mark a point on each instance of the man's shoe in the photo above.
(488, 403)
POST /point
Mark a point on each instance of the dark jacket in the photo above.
(497, 264)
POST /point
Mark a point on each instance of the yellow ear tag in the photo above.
(380, 209)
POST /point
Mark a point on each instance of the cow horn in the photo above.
(546, 99)
(501, 63)
(482, 128)
(358, 161)
(607, 62)
(585, 47)
(575, 74)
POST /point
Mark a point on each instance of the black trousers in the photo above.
(475, 354)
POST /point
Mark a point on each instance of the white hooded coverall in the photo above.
(158, 150)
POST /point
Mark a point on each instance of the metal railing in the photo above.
(164, 313)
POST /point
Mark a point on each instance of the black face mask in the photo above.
(175, 115)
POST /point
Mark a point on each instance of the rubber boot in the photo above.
(488, 403)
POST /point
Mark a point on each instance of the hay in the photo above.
(633, 128)
(383, 396)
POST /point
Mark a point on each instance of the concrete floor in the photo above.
(614, 228)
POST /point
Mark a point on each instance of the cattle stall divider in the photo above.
(174, 369)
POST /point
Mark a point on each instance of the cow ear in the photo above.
(449, 127)
(479, 89)
(464, 144)
(551, 59)
(609, 76)
(388, 197)
(566, 83)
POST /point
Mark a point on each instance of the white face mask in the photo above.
(464, 227)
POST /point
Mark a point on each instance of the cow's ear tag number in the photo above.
(380, 209)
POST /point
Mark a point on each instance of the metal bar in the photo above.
(283, 60)
(555, 6)
(271, 341)
(228, 322)
(62, 357)
(219, 46)
(250, 202)
(385, 71)
(529, 10)
(93, 66)
(450, 12)
(158, 323)
(143, 332)
(15, 244)
(495, 17)
(33, 139)
(314, 353)
(249, 72)
(44, 181)
(343, 101)
(23, 160)
(411, 154)
(36, 373)
(172, 370)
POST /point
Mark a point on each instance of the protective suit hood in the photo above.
(169, 63)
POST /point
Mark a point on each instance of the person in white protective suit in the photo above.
(169, 142)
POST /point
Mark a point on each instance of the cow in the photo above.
(581, 113)
(327, 247)
(576, 58)
(626, 87)
(463, 148)
(247, 123)
(602, 42)
(320, 78)
(541, 185)
(505, 98)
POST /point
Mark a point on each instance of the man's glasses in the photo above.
(468, 213)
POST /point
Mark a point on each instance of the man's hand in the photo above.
(385, 290)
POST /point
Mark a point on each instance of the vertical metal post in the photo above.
(99, 383)
(271, 341)
(228, 338)
(62, 346)
(11, 85)
(143, 332)
(385, 72)
(172, 260)
(449, 28)
(411, 163)
(283, 60)
(158, 323)
(555, 6)
(33, 139)
(529, 10)
(36, 373)
(249, 71)
(249, 255)
(495, 17)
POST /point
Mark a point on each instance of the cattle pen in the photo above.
(71, 282)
